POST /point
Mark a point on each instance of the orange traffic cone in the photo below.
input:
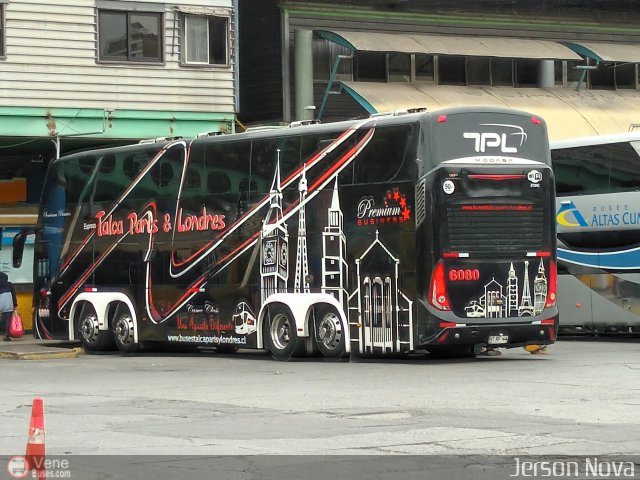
(35, 443)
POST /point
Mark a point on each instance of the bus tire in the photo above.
(329, 333)
(281, 335)
(92, 338)
(123, 330)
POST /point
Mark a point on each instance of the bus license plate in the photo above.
(500, 339)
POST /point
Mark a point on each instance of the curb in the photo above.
(69, 353)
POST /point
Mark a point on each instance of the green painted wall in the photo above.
(104, 124)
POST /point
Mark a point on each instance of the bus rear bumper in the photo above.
(497, 335)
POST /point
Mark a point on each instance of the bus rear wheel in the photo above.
(92, 338)
(123, 331)
(329, 333)
(282, 339)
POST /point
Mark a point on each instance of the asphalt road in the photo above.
(582, 398)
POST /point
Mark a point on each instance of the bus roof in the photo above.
(296, 128)
(595, 140)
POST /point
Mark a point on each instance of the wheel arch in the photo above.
(105, 305)
(302, 307)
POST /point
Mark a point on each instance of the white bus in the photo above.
(598, 221)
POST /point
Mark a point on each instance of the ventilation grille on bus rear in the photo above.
(487, 232)
(421, 207)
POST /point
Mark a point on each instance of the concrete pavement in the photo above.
(29, 348)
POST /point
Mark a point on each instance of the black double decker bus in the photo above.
(392, 234)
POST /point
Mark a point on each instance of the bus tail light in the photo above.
(553, 283)
(438, 289)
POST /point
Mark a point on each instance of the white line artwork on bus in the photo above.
(335, 270)
(301, 283)
(383, 311)
(176, 271)
(274, 240)
(494, 303)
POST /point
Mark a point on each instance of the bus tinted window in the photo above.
(592, 169)
(313, 144)
(580, 170)
(115, 172)
(625, 167)
(221, 166)
(389, 156)
(456, 136)
(264, 154)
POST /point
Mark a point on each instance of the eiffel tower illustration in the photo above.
(512, 292)
(302, 262)
(526, 307)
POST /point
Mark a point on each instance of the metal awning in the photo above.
(607, 52)
(568, 113)
(450, 45)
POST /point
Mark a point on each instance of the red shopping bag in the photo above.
(16, 328)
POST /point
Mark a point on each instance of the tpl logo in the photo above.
(503, 140)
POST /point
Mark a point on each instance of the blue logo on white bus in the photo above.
(570, 216)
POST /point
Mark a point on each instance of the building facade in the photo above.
(575, 63)
(78, 74)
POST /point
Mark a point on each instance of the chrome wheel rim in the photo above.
(123, 329)
(280, 331)
(330, 331)
(89, 328)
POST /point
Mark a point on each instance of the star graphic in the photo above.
(403, 202)
(406, 213)
(396, 196)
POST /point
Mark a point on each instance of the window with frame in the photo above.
(370, 66)
(125, 36)
(206, 40)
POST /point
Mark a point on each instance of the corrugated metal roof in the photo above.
(568, 113)
(451, 45)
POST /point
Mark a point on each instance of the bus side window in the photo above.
(264, 155)
(625, 167)
(108, 187)
(226, 166)
(312, 145)
(582, 171)
(389, 156)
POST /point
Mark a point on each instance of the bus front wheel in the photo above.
(329, 334)
(282, 339)
(123, 331)
(92, 338)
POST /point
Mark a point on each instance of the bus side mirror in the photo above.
(18, 247)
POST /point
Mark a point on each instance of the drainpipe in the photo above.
(304, 74)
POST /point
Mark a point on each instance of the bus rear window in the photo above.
(496, 138)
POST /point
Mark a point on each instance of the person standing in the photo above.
(8, 302)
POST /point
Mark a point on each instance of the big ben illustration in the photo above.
(539, 290)
(274, 246)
